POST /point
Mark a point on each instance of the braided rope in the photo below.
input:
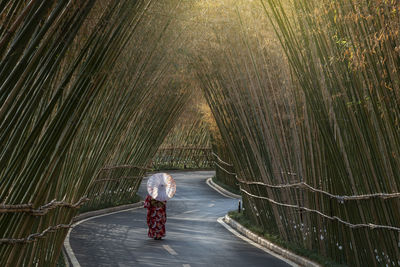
(219, 166)
(338, 197)
(43, 210)
(34, 237)
(333, 218)
(124, 167)
(220, 160)
(185, 148)
(118, 179)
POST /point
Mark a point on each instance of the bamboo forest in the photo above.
(293, 106)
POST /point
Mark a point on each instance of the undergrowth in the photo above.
(225, 186)
(295, 248)
(109, 204)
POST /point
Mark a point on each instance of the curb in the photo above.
(262, 242)
(269, 245)
(66, 258)
(69, 256)
(221, 190)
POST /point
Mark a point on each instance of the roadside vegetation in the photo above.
(276, 239)
(305, 95)
(297, 101)
(76, 82)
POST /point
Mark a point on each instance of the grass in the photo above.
(61, 261)
(312, 255)
(274, 238)
(111, 203)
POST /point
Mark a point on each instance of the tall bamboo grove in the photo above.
(306, 97)
(76, 88)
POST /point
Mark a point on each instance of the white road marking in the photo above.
(211, 205)
(170, 250)
(233, 231)
(185, 265)
(190, 211)
(67, 244)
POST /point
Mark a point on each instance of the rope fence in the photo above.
(183, 158)
(34, 237)
(338, 197)
(124, 167)
(221, 161)
(118, 179)
(114, 185)
(368, 225)
(303, 185)
(224, 171)
(43, 210)
(185, 148)
(228, 172)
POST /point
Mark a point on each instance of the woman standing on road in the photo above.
(156, 217)
(161, 187)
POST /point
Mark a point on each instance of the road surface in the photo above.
(194, 237)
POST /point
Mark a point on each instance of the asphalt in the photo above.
(194, 237)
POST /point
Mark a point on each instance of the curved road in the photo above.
(194, 237)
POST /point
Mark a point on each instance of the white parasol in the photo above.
(161, 186)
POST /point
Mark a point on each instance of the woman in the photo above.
(156, 217)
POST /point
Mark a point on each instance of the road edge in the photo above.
(221, 190)
(256, 240)
(70, 258)
(247, 239)
(301, 261)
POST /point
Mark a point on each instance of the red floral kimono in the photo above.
(156, 217)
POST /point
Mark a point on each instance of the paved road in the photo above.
(194, 237)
